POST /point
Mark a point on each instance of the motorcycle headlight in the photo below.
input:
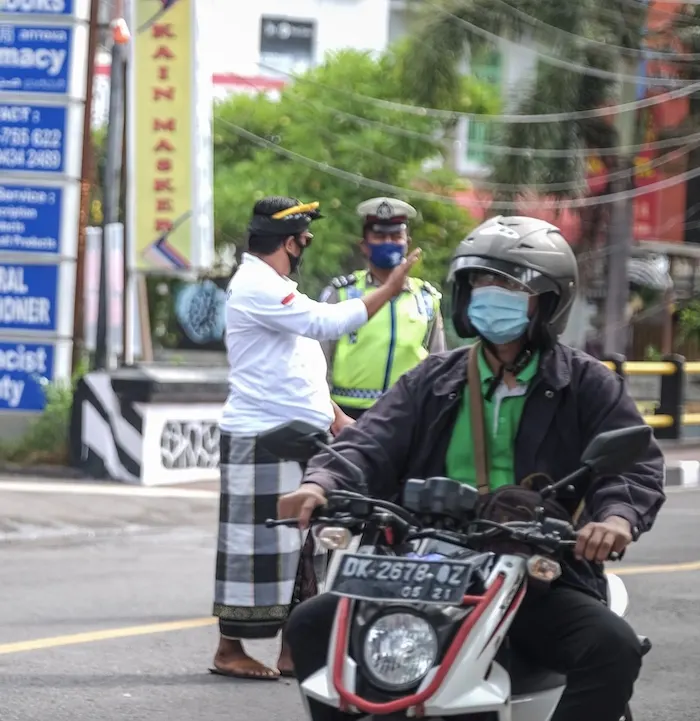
(399, 649)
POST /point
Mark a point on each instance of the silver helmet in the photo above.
(529, 251)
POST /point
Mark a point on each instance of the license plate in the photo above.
(379, 578)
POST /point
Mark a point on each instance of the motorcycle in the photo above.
(421, 629)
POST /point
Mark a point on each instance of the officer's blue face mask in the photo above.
(386, 255)
(499, 315)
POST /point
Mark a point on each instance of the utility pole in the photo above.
(87, 178)
(621, 230)
(112, 183)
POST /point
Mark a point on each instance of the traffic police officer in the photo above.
(364, 364)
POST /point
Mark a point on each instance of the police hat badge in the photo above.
(384, 211)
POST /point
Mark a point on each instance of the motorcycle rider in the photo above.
(514, 284)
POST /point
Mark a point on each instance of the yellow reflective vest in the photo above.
(368, 362)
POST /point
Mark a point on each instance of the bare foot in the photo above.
(232, 660)
(284, 663)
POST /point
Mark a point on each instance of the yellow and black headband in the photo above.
(289, 221)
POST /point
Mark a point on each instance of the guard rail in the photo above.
(669, 416)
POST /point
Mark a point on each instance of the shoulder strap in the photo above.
(476, 409)
(431, 289)
(342, 281)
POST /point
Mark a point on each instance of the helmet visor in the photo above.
(476, 269)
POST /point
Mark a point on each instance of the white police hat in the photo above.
(386, 215)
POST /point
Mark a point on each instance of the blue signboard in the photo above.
(25, 371)
(32, 138)
(28, 297)
(37, 7)
(35, 59)
(30, 219)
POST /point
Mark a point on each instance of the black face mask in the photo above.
(295, 260)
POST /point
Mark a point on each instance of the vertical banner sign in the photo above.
(43, 61)
(170, 114)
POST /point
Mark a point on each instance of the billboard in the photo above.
(43, 63)
(170, 140)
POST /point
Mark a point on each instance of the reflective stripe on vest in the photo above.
(368, 362)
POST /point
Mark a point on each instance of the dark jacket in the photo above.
(572, 399)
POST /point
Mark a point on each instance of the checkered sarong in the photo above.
(258, 570)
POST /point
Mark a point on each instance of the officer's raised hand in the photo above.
(397, 277)
(393, 286)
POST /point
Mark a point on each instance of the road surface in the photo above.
(105, 598)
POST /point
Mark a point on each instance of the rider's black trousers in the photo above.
(563, 629)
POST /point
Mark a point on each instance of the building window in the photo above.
(286, 46)
(486, 67)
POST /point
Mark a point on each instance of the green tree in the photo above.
(443, 40)
(262, 147)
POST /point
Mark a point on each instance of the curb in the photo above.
(49, 472)
(685, 474)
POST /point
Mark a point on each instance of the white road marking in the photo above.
(99, 489)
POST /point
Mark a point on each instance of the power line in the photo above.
(537, 187)
(435, 197)
(642, 54)
(591, 113)
(625, 173)
(587, 256)
(500, 149)
(590, 152)
(566, 64)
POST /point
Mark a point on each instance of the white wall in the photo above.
(233, 36)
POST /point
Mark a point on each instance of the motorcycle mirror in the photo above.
(614, 451)
(299, 441)
(609, 452)
(295, 441)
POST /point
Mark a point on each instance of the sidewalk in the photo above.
(684, 452)
(682, 463)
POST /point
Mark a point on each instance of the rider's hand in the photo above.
(341, 420)
(596, 541)
(301, 503)
(397, 277)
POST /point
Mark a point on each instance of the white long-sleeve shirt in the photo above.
(277, 367)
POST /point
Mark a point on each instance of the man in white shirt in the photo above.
(277, 374)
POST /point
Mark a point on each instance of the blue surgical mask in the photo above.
(386, 255)
(499, 315)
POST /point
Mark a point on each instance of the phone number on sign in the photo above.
(31, 159)
(37, 138)
(36, 149)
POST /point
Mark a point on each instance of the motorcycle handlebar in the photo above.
(526, 532)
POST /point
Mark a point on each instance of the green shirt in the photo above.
(501, 417)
